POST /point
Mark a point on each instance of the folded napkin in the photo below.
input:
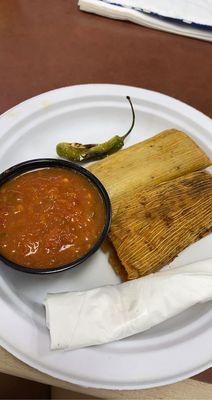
(182, 17)
(105, 314)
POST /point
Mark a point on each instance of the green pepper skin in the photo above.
(80, 154)
(71, 153)
(104, 149)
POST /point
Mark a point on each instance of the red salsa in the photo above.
(49, 217)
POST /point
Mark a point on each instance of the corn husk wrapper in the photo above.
(151, 224)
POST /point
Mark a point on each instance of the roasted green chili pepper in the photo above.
(89, 152)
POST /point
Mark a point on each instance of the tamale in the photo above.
(157, 223)
(165, 156)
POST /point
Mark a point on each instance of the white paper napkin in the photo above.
(145, 12)
(105, 314)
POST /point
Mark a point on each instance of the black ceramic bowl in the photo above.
(51, 163)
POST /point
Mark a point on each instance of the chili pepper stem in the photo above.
(133, 119)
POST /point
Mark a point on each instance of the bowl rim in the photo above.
(37, 163)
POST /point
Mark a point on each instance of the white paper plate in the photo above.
(172, 351)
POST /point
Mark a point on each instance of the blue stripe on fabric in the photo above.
(161, 17)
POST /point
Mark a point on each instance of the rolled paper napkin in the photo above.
(193, 20)
(109, 313)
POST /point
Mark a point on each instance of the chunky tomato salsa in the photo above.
(49, 217)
